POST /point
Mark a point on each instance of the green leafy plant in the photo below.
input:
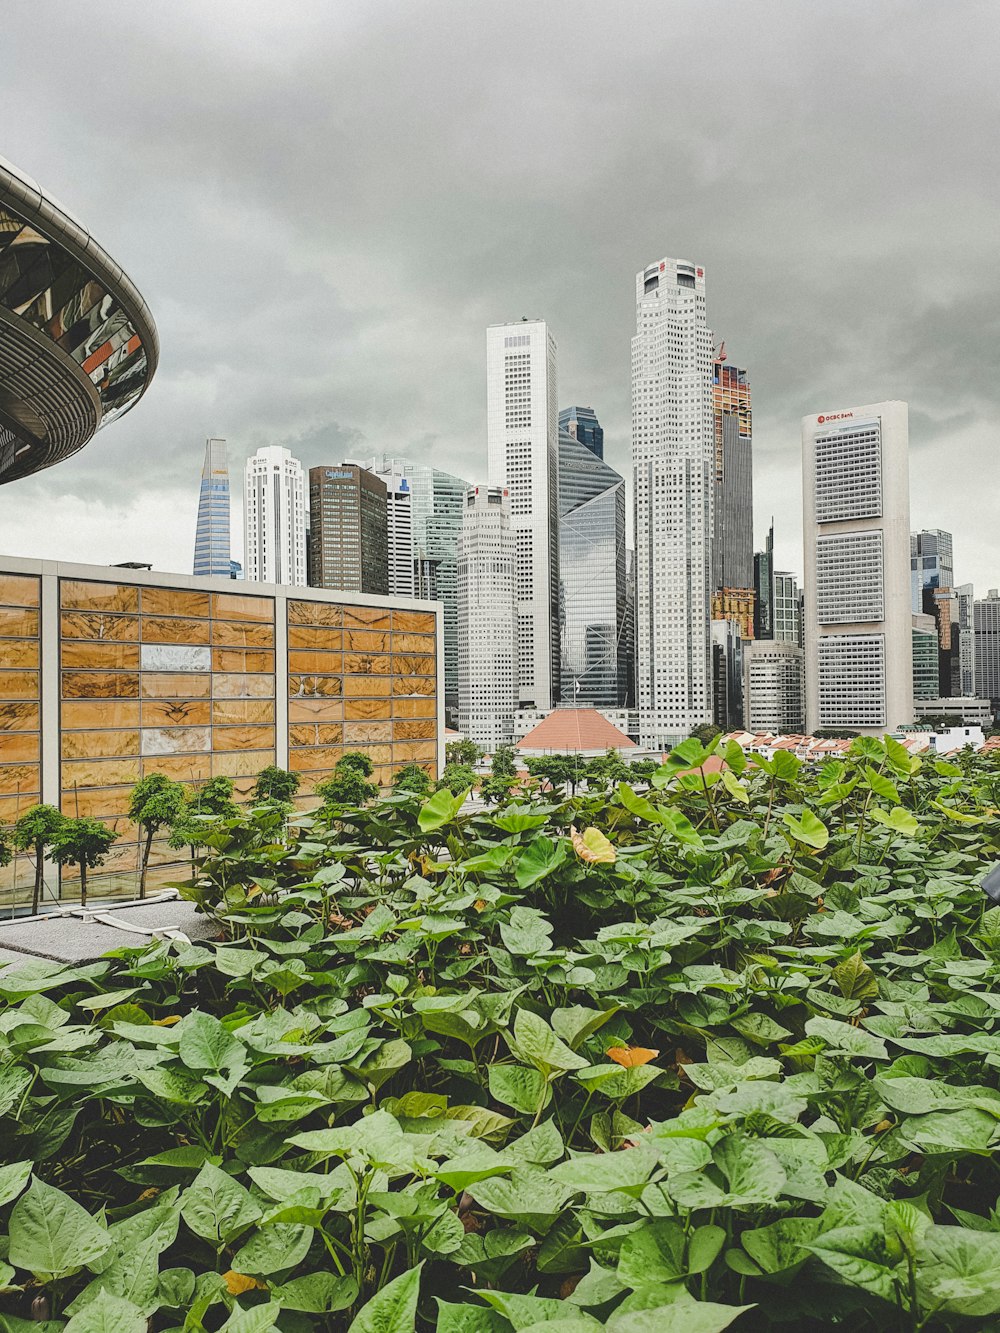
(83, 842)
(35, 831)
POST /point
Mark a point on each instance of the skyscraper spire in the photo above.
(211, 542)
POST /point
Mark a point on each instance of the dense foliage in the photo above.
(721, 1053)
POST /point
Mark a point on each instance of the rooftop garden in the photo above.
(722, 1052)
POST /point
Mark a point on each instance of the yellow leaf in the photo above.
(167, 1022)
(238, 1283)
(592, 846)
(630, 1057)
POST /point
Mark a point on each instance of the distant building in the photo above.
(274, 518)
(576, 731)
(348, 529)
(212, 542)
(967, 711)
(735, 604)
(774, 687)
(399, 522)
(932, 563)
(925, 658)
(592, 577)
(673, 458)
(522, 436)
(763, 582)
(487, 692)
(582, 424)
(966, 639)
(787, 612)
(727, 674)
(986, 613)
(856, 528)
(732, 508)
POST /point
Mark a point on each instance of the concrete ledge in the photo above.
(81, 935)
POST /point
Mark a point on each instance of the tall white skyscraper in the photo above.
(522, 427)
(856, 534)
(274, 518)
(487, 691)
(399, 521)
(673, 458)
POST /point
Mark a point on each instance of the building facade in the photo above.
(582, 424)
(856, 528)
(592, 577)
(108, 675)
(212, 554)
(399, 522)
(932, 563)
(763, 585)
(728, 644)
(787, 612)
(274, 518)
(774, 687)
(522, 430)
(732, 510)
(925, 658)
(78, 346)
(986, 623)
(673, 455)
(487, 618)
(348, 529)
(965, 596)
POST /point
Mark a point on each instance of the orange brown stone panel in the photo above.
(237, 606)
(99, 685)
(97, 625)
(24, 715)
(17, 622)
(20, 590)
(101, 656)
(175, 602)
(107, 713)
(76, 595)
(176, 713)
(233, 712)
(237, 634)
(99, 744)
(172, 629)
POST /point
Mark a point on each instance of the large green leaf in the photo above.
(108, 1314)
(393, 1309)
(51, 1235)
(440, 809)
(539, 858)
(807, 828)
(317, 1293)
(958, 1271)
(538, 1044)
(683, 1316)
(217, 1207)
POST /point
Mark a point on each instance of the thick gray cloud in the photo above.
(325, 205)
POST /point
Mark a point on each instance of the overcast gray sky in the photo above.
(326, 203)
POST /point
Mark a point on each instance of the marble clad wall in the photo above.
(20, 717)
(189, 681)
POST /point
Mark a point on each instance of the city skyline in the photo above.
(898, 320)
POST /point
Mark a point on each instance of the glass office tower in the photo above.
(212, 554)
(592, 608)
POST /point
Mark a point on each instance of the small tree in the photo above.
(642, 770)
(461, 752)
(157, 802)
(606, 770)
(503, 772)
(83, 842)
(557, 770)
(412, 778)
(706, 733)
(215, 797)
(34, 831)
(275, 784)
(457, 777)
(349, 784)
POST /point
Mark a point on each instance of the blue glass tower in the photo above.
(582, 424)
(211, 543)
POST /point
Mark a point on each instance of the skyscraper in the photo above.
(212, 543)
(856, 528)
(348, 525)
(523, 440)
(773, 687)
(986, 620)
(274, 517)
(787, 614)
(592, 577)
(399, 521)
(673, 456)
(966, 640)
(763, 588)
(732, 509)
(582, 424)
(487, 690)
(931, 563)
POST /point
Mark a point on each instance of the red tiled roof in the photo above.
(575, 729)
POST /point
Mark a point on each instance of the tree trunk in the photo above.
(83, 884)
(145, 862)
(39, 864)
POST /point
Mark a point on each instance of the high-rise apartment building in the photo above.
(763, 586)
(212, 554)
(399, 521)
(856, 528)
(523, 442)
(787, 608)
(673, 457)
(986, 622)
(773, 687)
(582, 424)
(592, 577)
(728, 645)
(487, 688)
(274, 518)
(348, 529)
(732, 509)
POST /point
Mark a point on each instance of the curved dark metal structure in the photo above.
(78, 345)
